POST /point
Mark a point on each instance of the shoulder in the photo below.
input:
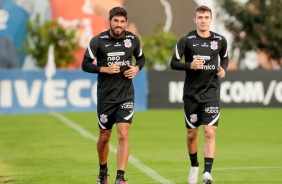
(218, 37)
(103, 35)
(130, 35)
(94, 40)
(187, 37)
(192, 35)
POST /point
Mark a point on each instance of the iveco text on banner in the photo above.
(69, 90)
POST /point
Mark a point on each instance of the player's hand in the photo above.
(221, 72)
(114, 68)
(197, 63)
(131, 72)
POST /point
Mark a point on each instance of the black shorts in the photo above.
(197, 114)
(111, 113)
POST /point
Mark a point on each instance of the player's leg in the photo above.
(209, 150)
(103, 145)
(123, 150)
(103, 151)
(105, 123)
(124, 116)
(191, 112)
(210, 117)
(209, 146)
(192, 142)
(192, 145)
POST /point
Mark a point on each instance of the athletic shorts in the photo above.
(197, 114)
(111, 113)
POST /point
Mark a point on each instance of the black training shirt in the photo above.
(201, 85)
(104, 50)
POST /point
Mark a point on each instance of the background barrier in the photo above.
(239, 89)
(75, 90)
(70, 90)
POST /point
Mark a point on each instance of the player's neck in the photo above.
(204, 34)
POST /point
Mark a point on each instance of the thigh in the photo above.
(106, 115)
(192, 114)
(210, 113)
(125, 112)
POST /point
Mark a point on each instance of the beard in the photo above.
(117, 34)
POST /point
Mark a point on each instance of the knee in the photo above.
(209, 135)
(123, 136)
(104, 138)
(192, 135)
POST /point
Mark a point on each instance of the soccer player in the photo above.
(201, 49)
(110, 55)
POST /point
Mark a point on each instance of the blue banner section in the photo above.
(13, 23)
(69, 90)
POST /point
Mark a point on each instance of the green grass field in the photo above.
(61, 148)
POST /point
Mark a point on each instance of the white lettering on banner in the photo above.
(4, 17)
(53, 94)
(6, 93)
(224, 89)
(278, 92)
(74, 90)
(94, 93)
(253, 92)
(269, 93)
(27, 99)
(250, 92)
(236, 92)
(175, 91)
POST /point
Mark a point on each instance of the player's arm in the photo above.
(89, 63)
(89, 59)
(223, 54)
(139, 55)
(140, 60)
(178, 53)
(224, 60)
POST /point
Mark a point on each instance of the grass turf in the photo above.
(40, 148)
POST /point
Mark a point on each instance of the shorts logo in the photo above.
(127, 43)
(212, 110)
(103, 118)
(193, 118)
(127, 105)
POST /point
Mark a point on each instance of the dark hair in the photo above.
(117, 11)
(203, 9)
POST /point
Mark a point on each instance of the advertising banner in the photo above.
(239, 89)
(69, 90)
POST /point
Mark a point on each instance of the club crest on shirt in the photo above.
(127, 43)
(214, 45)
(103, 118)
(193, 118)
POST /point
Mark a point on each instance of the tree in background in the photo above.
(158, 48)
(41, 36)
(255, 25)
